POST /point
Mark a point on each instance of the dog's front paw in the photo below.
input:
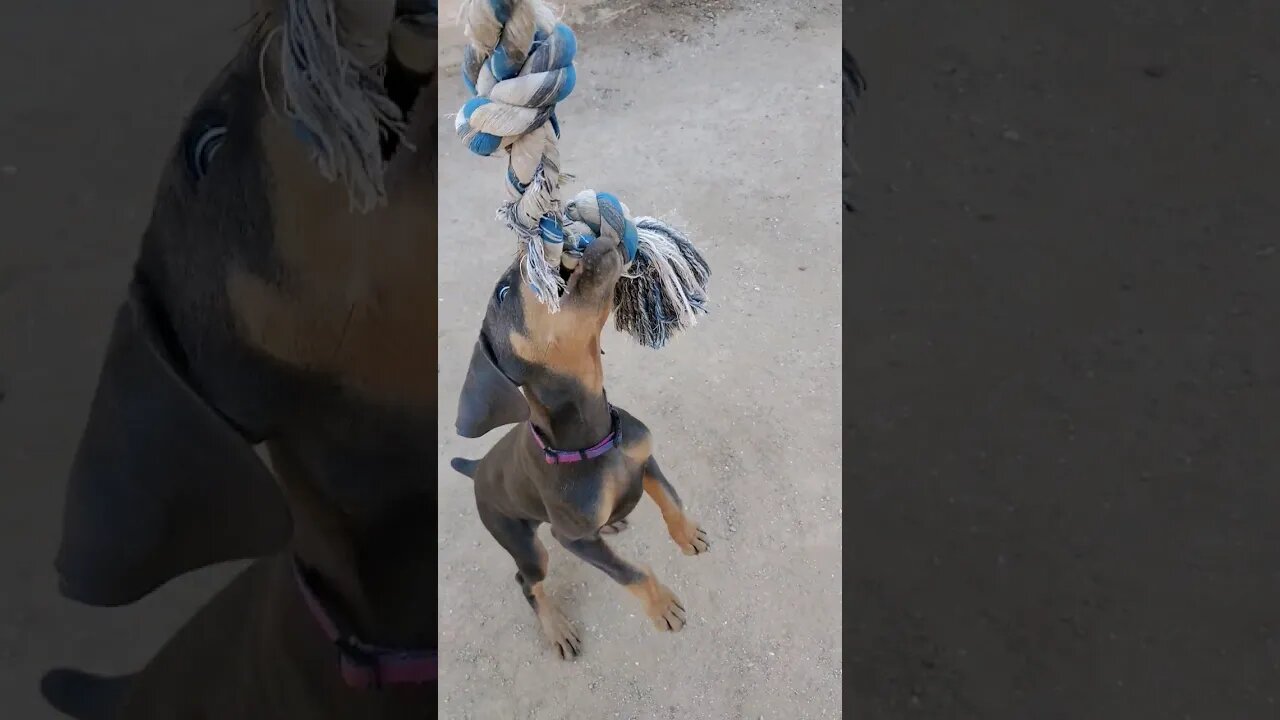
(665, 610)
(691, 538)
(660, 604)
(559, 632)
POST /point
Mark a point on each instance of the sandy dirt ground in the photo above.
(726, 119)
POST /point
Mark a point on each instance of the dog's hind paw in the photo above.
(614, 528)
(559, 632)
(691, 538)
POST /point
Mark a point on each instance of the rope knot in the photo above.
(603, 215)
(663, 288)
(516, 82)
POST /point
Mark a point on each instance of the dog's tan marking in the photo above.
(566, 342)
(555, 627)
(538, 414)
(356, 299)
(683, 530)
(566, 354)
(608, 499)
(660, 604)
(639, 450)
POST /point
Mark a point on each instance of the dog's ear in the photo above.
(162, 483)
(489, 398)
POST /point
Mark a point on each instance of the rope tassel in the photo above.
(664, 287)
(518, 65)
(331, 69)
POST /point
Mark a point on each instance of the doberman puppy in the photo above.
(263, 311)
(579, 463)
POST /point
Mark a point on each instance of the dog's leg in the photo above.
(520, 539)
(691, 538)
(660, 604)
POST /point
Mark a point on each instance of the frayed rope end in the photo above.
(540, 272)
(666, 287)
(337, 103)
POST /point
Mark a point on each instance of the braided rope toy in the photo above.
(331, 67)
(518, 64)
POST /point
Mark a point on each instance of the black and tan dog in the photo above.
(579, 463)
(263, 311)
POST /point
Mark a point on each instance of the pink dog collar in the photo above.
(366, 666)
(559, 457)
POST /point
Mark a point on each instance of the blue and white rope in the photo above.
(604, 216)
(518, 64)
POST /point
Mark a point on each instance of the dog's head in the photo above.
(522, 344)
(166, 479)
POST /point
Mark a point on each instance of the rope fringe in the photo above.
(336, 98)
(665, 289)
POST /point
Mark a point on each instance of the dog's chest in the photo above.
(589, 500)
(627, 494)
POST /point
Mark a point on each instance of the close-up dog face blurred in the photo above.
(264, 310)
(224, 141)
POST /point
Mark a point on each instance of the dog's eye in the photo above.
(206, 131)
(501, 293)
(205, 147)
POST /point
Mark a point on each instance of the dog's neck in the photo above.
(374, 570)
(376, 576)
(567, 414)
